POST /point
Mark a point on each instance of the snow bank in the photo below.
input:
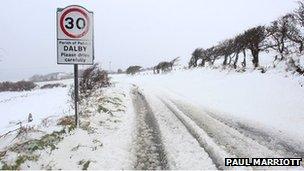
(104, 139)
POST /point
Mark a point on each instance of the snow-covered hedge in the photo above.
(17, 86)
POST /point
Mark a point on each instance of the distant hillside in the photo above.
(51, 77)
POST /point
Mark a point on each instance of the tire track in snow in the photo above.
(215, 152)
(227, 138)
(183, 150)
(150, 153)
(271, 141)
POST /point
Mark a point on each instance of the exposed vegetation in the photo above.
(17, 86)
(133, 69)
(119, 71)
(93, 78)
(19, 161)
(52, 85)
(164, 66)
(47, 141)
(25, 150)
(115, 101)
(67, 121)
(85, 164)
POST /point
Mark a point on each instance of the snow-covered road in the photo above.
(176, 148)
(150, 153)
(196, 135)
(181, 135)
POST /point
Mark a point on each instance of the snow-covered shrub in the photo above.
(119, 71)
(52, 85)
(133, 69)
(294, 65)
(17, 86)
(66, 121)
(93, 78)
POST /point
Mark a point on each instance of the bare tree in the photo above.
(133, 69)
(226, 49)
(281, 35)
(119, 71)
(214, 54)
(254, 38)
(196, 55)
(278, 35)
(294, 33)
(210, 55)
(165, 66)
(299, 13)
(239, 45)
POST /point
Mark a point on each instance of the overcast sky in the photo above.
(127, 32)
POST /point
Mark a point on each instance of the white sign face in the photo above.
(75, 44)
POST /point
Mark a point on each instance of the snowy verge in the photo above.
(103, 140)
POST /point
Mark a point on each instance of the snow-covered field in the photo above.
(41, 103)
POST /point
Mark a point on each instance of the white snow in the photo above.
(182, 149)
(271, 102)
(107, 143)
(16, 106)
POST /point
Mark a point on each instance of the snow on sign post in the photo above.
(75, 44)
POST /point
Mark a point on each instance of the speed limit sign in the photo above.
(75, 44)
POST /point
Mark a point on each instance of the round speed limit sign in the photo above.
(75, 22)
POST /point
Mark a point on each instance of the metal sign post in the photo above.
(76, 94)
(75, 44)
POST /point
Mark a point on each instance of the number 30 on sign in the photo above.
(74, 35)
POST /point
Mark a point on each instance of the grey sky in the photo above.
(127, 32)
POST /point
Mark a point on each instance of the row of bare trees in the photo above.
(284, 36)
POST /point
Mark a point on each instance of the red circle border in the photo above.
(72, 9)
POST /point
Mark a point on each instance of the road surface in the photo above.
(175, 134)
